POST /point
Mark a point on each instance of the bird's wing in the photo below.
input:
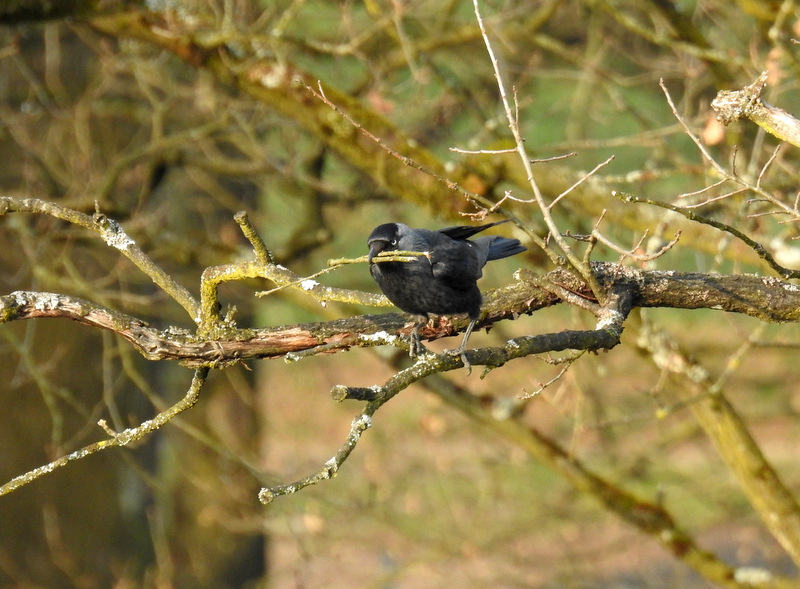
(456, 264)
(461, 232)
(453, 263)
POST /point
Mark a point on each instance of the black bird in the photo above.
(444, 281)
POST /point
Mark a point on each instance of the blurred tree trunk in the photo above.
(17, 11)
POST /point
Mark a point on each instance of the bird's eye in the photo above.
(394, 242)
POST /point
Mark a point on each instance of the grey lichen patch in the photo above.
(113, 234)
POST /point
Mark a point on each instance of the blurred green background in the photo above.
(172, 149)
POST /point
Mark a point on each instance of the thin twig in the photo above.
(722, 171)
(632, 253)
(117, 439)
(392, 256)
(704, 189)
(309, 281)
(583, 179)
(579, 265)
(483, 151)
(732, 175)
(476, 199)
(544, 160)
(542, 386)
(708, 201)
(692, 216)
(766, 166)
(329, 470)
(114, 235)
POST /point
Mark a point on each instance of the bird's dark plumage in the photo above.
(444, 282)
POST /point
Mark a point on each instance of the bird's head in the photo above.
(385, 238)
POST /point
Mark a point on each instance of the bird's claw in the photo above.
(461, 354)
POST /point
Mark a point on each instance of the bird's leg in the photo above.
(459, 351)
(415, 343)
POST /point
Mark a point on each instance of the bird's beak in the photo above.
(375, 248)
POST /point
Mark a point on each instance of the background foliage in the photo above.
(101, 114)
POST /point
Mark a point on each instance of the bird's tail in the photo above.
(497, 247)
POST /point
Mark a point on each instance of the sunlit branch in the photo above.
(759, 249)
(114, 236)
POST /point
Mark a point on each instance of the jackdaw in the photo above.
(444, 281)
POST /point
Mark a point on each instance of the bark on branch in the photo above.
(732, 105)
(769, 299)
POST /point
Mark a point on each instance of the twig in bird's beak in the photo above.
(391, 256)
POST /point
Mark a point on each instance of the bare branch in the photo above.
(732, 105)
(771, 498)
(731, 176)
(632, 253)
(513, 125)
(329, 469)
(756, 247)
(114, 236)
(117, 439)
(583, 179)
(527, 395)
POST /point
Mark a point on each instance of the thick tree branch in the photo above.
(284, 88)
(769, 299)
(770, 497)
(114, 236)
